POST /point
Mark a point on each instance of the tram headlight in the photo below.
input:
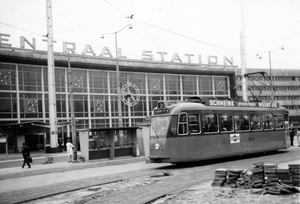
(157, 146)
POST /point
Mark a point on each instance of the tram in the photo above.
(192, 130)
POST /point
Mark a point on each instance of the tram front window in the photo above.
(159, 125)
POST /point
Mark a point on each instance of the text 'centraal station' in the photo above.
(70, 47)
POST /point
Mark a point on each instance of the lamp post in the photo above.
(118, 73)
(270, 72)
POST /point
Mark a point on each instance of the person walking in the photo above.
(298, 136)
(292, 133)
(26, 154)
(70, 147)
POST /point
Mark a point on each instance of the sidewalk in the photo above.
(18, 156)
(20, 185)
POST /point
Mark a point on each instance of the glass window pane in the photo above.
(80, 106)
(60, 80)
(279, 121)
(210, 123)
(30, 78)
(189, 85)
(79, 80)
(205, 85)
(159, 125)
(183, 124)
(194, 123)
(61, 108)
(241, 122)
(99, 106)
(98, 81)
(268, 121)
(139, 81)
(155, 84)
(140, 109)
(226, 122)
(8, 108)
(31, 105)
(221, 85)
(7, 77)
(255, 120)
(172, 84)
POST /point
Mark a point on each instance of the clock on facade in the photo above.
(130, 94)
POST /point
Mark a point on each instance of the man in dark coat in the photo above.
(292, 136)
(26, 154)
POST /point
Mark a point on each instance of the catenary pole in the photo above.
(51, 79)
(74, 137)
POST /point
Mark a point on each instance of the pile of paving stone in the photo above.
(295, 172)
(267, 177)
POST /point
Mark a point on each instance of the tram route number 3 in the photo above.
(234, 138)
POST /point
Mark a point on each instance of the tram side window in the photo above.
(183, 124)
(255, 120)
(241, 122)
(194, 126)
(210, 123)
(278, 121)
(226, 122)
(268, 121)
(173, 126)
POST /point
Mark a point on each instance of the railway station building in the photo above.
(24, 90)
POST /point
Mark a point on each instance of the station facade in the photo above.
(24, 95)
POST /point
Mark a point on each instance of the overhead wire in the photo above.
(148, 24)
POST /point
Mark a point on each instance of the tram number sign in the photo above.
(234, 138)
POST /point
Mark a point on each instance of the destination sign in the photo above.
(226, 103)
(221, 103)
(161, 111)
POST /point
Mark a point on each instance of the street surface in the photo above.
(21, 185)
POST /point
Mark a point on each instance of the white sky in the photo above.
(199, 27)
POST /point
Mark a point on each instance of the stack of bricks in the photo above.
(266, 176)
(244, 181)
(233, 176)
(270, 171)
(258, 176)
(295, 171)
(284, 176)
(220, 177)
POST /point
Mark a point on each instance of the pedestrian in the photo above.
(292, 133)
(298, 136)
(26, 154)
(70, 148)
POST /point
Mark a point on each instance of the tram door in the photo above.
(35, 141)
(183, 147)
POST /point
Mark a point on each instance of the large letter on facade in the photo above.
(88, 49)
(227, 60)
(23, 40)
(210, 61)
(3, 39)
(162, 54)
(148, 54)
(69, 46)
(176, 57)
(189, 57)
(106, 51)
